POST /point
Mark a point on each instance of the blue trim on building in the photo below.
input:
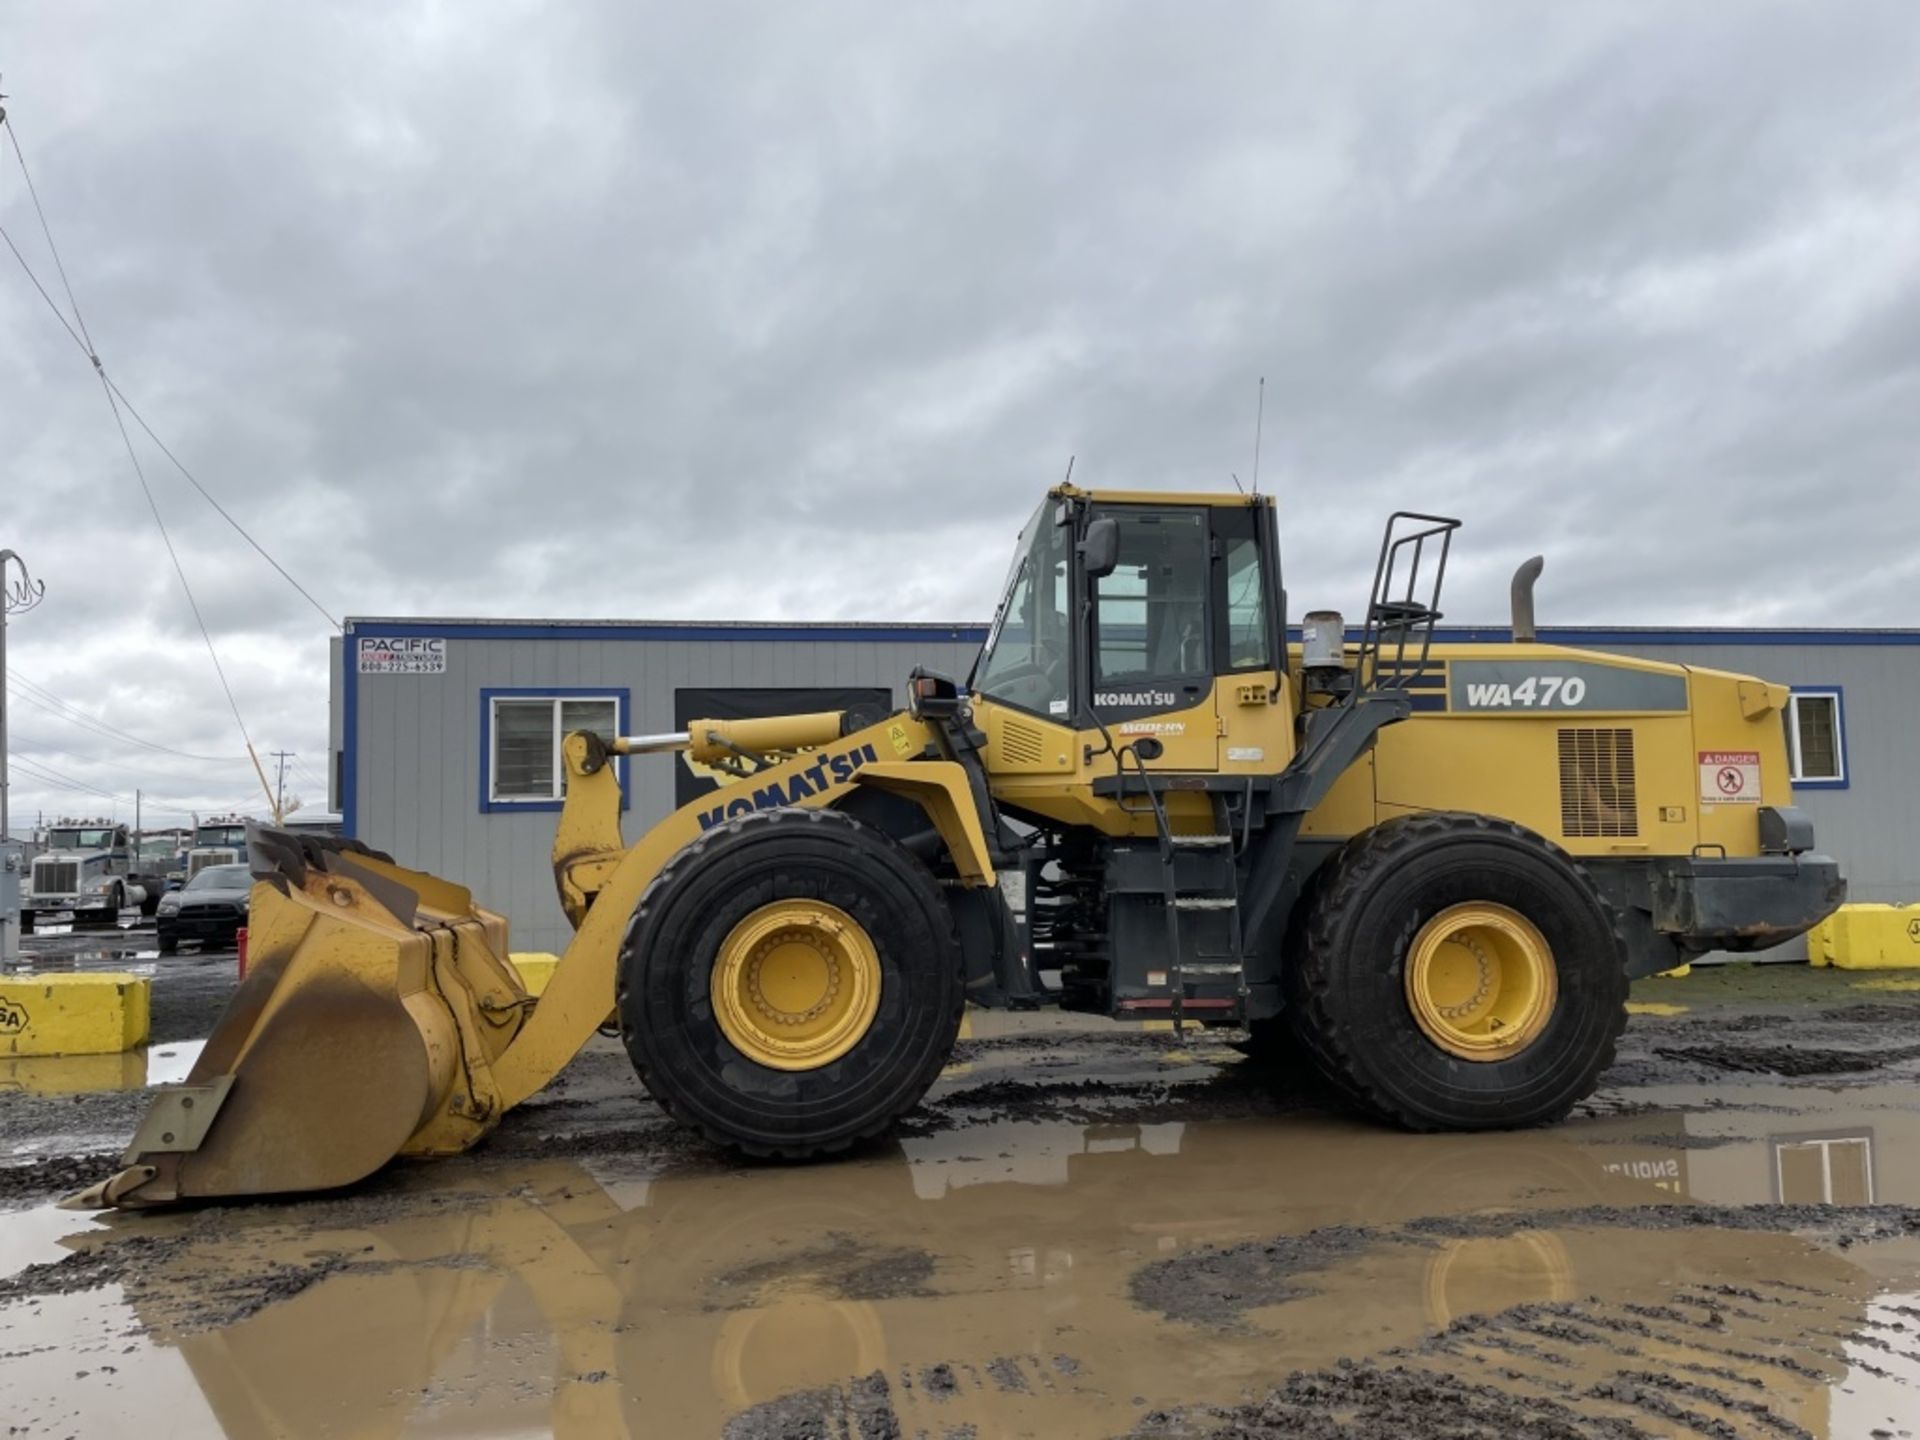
(1594, 638)
(1845, 782)
(622, 698)
(520, 630)
(349, 735)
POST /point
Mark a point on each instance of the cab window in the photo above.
(1243, 641)
(1026, 662)
(1150, 614)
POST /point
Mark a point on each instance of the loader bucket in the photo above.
(375, 1002)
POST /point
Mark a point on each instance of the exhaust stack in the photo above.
(1524, 632)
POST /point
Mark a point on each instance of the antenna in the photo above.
(1236, 482)
(1068, 479)
(1259, 419)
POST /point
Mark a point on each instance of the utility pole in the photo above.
(17, 596)
(280, 783)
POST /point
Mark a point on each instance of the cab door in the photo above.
(1251, 704)
(1150, 666)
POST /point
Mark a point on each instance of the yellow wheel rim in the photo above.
(796, 984)
(1481, 981)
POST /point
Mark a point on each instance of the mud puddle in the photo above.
(1610, 1277)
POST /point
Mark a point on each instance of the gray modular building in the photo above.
(445, 733)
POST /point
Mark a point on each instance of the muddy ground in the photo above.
(1086, 1230)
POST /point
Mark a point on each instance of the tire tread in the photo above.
(700, 851)
(1343, 883)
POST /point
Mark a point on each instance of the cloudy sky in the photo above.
(775, 311)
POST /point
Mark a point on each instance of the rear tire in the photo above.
(1352, 1007)
(696, 905)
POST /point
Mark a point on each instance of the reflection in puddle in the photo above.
(169, 1064)
(1019, 1277)
(166, 1064)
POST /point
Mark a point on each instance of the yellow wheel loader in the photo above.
(1433, 867)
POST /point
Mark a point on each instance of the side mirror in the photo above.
(1100, 551)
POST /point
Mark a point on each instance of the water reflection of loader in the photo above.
(545, 1304)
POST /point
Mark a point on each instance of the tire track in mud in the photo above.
(1707, 1358)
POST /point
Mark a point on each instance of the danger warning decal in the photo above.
(1729, 777)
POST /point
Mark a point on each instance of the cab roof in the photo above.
(1206, 499)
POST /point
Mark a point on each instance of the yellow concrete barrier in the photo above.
(87, 1014)
(1867, 937)
(72, 1074)
(536, 969)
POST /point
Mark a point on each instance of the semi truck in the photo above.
(88, 868)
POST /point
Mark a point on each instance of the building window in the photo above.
(1824, 1170)
(524, 729)
(1816, 738)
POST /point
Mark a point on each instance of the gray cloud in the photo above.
(758, 311)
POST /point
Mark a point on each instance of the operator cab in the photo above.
(1127, 611)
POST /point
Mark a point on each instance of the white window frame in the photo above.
(1824, 1144)
(611, 697)
(1796, 771)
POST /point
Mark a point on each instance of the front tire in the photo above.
(1459, 973)
(791, 983)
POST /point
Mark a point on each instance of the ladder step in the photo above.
(1201, 839)
(1224, 967)
(1205, 902)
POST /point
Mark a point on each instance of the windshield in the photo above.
(1025, 660)
(221, 877)
(80, 840)
(220, 835)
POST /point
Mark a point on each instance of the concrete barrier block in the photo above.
(536, 969)
(72, 1074)
(101, 1014)
(1870, 937)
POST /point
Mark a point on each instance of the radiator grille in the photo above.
(55, 877)
(1021, 744)
(1598, 795)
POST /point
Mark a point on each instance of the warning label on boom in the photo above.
(1729, 777)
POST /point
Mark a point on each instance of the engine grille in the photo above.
(56, 877)
(1021, 744)
(1598, 793)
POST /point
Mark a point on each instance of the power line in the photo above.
(47, 775)
(44, 699)
(48, 747)
(84, 340)
(325, 614)
(178, 569)
(52, 249)
(113, 405)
